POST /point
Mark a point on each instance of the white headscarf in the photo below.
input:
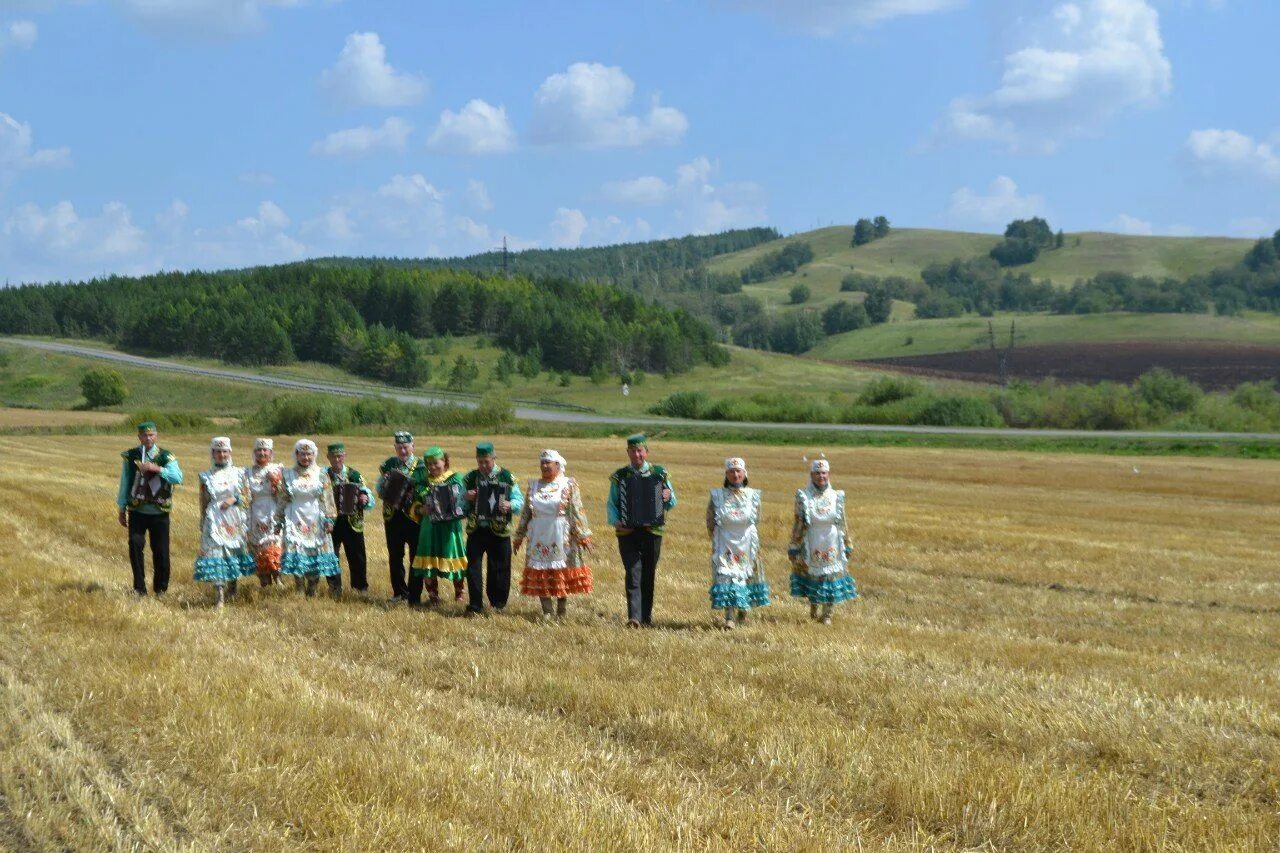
(550, 455)
(735, 462)
(220, 442)
(304, 444)
(820, 465)
(264, 444)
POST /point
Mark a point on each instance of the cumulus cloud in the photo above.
(567, 228)
(829, 17)
(18, 151)
(391, 136)
(1102, 57)
(411, 189)
(696, 204)
(18, 34)
(35, 238)
(1231, 152)
(363, 77)
(203, 18)
(270, 218)
(1126, 224)
(478, 195)
(587, 106)
(478, 128)
(1001, 204)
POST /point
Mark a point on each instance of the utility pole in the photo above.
(506, 272)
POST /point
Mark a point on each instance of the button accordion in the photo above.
(149, 489)
(640, 502)
(443, 503)
(489, 498)
(397, 490)
(347, 498)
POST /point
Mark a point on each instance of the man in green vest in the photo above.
(489, 529)
(348, 530)
(147, 476)
(640, 547)
(400, 528)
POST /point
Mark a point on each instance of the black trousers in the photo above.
(640, 551)
(481, 543)
(353, 542)
(141, 525)
(401, 532)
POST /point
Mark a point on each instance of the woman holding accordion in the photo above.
(442, 548)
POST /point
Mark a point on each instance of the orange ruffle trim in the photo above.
(556, 583)
(267, 560)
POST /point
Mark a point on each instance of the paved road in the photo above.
(528, 413)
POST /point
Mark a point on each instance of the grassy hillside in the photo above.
(1050, 653)
(966, 333)
(908, 250)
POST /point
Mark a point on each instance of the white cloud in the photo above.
(1232, 152)
(1001, 204)
(478, 195)
(174, 217)
(17, 151)
(411, 189)
(828, 17)
(203, 18)
(1252, 226)
(60, 235)
(391, 136)
(696, 204)
(586, 106)
(1126, 224)
(567, 228)
(478, 128)
(19, 34)
(363, 77)
(270, 218)
(1106, 56)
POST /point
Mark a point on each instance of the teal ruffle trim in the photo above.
(834, 590)
(220, 570)
(743, 596)
(323, 565)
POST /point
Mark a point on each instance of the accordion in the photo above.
(640, 502)
(347, 498)
(149, 489)
(442, 503)
(489, 497)
(397, 490)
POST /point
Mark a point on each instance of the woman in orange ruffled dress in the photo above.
(558, 534)
(264, 477)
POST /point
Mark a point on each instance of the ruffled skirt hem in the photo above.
(323, 565)
(448, 568)
(222, 570)
(556, 583)
(743, 596)
(830, 589)
(267, 559)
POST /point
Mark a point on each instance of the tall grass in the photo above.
(1051, 652)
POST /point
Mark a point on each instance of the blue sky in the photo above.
(138, 135)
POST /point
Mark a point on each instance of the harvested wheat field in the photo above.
(1052, 652)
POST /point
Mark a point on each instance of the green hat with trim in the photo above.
(485, 448)
(433, 453)
(337, 447)
(147, 426)
(638, 439)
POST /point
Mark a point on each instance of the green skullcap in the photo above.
(337, 447)
(147, 426)
(433, 453)
(638, 438)
(484, 448)
(404, 437)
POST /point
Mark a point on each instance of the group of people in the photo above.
(273, 521)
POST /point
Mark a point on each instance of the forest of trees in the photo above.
(366, 318)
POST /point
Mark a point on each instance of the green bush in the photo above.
(682, 404)
(959, 411)
(887, 389)
(168, 421)
(1166, 393)
(495, 411)
(799, 294)
(103, 386)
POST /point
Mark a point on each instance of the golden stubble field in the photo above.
(1052, 652)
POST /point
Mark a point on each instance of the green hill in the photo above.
(906, 251)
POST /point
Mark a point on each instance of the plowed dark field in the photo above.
(1210, 365)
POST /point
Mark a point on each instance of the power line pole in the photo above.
(506, 272)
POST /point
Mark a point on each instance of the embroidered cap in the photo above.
(638, 439)
(147, 426)
(735, 462)
(404, 437)
(337, 447)
(220, 443)
(433, 453)
(820, 465)
(484, 448)
(304, 444)
(264, 444)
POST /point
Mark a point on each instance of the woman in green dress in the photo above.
(442, 548)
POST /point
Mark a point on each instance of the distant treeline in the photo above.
(366, 318)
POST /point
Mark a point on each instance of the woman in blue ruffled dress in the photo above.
(307, 514)
(820, 546)
(738, 583)
(224, 555)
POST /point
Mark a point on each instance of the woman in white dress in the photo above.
(307, 513)
(556, 528)
(820, 546)
(264, 477)
(224, 548)
(737, 573)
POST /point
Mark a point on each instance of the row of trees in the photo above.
(788, 259)
(366, 318)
